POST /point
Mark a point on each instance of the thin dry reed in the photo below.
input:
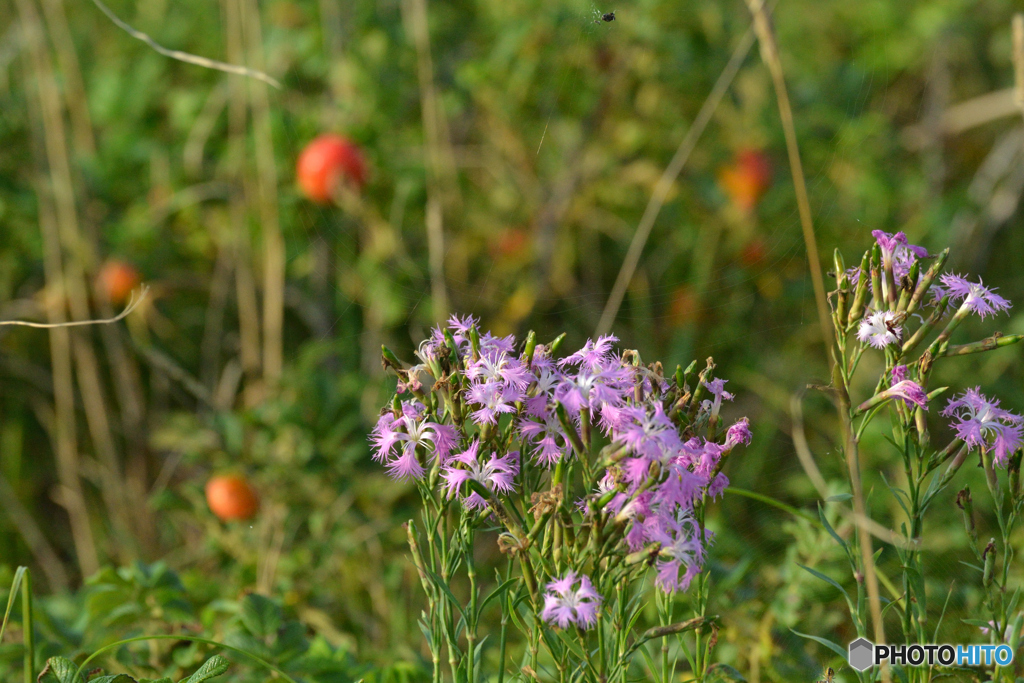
(770, 55)
(245, 283)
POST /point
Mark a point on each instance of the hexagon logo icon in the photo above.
(862, 654)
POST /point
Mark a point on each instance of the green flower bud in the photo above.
(989, 558)
(966, 504)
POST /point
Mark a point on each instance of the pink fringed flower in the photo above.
(976, 297)
(980, 422)
(548, 436)
(879, 330)
(681, 549)
(897, 253)
(404, 434)
(497, 474)
(592, 355)
(571, 600)
(493, 400)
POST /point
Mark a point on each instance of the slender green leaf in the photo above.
(497, 592)
(15, 587)
(827, 643)
(447, 591)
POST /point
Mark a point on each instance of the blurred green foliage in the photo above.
(553, 128)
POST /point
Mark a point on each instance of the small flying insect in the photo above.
(891, 326)
(607, 17)
(828, 676)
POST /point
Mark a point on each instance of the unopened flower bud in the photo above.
(925, 284)
(646, 555)
(530, 347)
(389, 359)
(857, 306)
(906, 285)
(1013, 468)
(842, 288)
(966, 503)
(1015, 631)
(474, 340)
(923, 436)
(877, 293)
(989, 558)
(553, 346)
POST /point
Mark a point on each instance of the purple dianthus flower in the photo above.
(977, 298)
(571, 600)
(497, 474)
(980, 422)
(879, 330)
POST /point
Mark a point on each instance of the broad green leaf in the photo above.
(260, 615)
(116, 678)
(211, 668)
(59, 670)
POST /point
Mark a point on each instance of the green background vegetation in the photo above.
(552, 128)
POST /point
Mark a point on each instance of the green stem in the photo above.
(28, 635)
(471, 618)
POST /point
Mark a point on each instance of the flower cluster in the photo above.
(899, 285)
(508, 431)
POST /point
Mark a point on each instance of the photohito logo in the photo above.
(863, 654)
